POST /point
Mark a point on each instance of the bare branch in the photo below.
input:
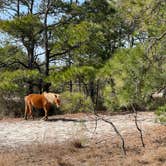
(116, 131)
(2, 64)
(136, 123)
(154, 40)
(66, 51)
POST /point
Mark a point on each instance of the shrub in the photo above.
(110, 99)
(75, 102)
(161, 114)
(12, 106)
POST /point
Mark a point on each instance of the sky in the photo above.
(7, 15)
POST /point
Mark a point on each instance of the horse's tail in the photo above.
(26, 108)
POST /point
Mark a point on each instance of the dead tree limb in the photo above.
(136, 123)
(96, 124)
(116, 131)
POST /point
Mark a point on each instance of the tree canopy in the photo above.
(112, 51)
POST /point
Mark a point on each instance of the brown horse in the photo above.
(40, 101)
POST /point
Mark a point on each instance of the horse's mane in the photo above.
(50, 96)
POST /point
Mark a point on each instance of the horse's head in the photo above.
(57, 100)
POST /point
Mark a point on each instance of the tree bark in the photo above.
(92, 91)
(18, 8)
(46, 46)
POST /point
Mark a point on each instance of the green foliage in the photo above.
(78, 33)
(161, 114)
(15, 80)
(152, 21)
(110, 99)
(11, 57)
(134, 77)
(12, 104)
(85, 73)
(71, 35)
(13, 87)
(107, 49)
(84, 40)
(98, 10)
(124, 69)
(24, 27)
(75, 102)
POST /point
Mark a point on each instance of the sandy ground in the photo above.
(18, 132)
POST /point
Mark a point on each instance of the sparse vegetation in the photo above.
(105, 153)
(75, 102)
(101, 56)
(161, 113)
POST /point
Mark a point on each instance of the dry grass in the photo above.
(106, 153)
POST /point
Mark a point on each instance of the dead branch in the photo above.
(136, 123)
(154, 40)
(116, 131)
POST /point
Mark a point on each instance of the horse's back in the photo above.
(36, 100)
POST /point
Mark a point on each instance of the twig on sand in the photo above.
(136, 123)
(115, 129)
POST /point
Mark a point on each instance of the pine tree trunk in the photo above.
(92, 91)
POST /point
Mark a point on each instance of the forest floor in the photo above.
(80, 140)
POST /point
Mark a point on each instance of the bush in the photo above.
(11, 106)
(110, 99)
(75, 102)
(161, 114)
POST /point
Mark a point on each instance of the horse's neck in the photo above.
(49, 96)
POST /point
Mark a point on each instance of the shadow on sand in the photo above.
(66, 120)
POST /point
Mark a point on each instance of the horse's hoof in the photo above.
(45, 119)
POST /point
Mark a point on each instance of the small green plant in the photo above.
(110, 99)
(161, 114)
(76, 102)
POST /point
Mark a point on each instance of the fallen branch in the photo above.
(136, 123)
(116, 131)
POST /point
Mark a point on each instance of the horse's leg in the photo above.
(30, 111)
(26, 111)
(46, 108)
(32, 116)
(46, 114)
